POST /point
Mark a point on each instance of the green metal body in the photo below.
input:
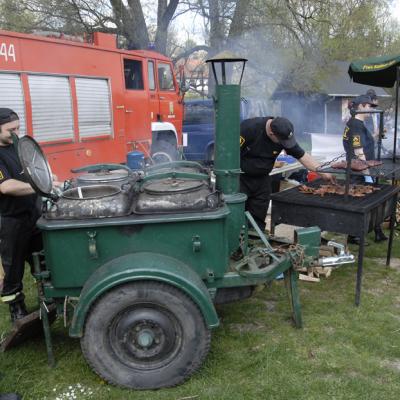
(76, 249)
(227, 123)
(191, 251)
(236, 222)
(143, 266)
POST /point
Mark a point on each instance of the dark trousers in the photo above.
(19, 238)
(359, 180)
(258, 190)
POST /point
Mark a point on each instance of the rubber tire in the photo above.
(161, 157)
(189, 354)
(165, 148)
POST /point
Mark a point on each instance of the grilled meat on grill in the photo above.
(356, 165)
(354, 190)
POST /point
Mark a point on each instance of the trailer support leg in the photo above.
(43, 310)
(291, 278)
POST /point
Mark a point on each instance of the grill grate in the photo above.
(334, 201)
(389, 169)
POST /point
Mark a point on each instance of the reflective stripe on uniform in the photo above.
(10, 297)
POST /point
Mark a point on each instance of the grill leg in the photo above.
(392, 222)
(360, 267)
(291, 278)
(272, 229)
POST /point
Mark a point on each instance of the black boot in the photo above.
(379, 235)
(356, 240)
(17, 310)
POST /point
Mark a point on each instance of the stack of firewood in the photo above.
(313, 274)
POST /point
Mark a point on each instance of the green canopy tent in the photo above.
(379, 71)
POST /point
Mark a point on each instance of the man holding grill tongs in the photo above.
(261, 141)
(362, 148)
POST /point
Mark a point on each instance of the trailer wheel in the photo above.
(145, 335)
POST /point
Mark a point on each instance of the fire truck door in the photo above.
(137, 121)
(167, 93)
(155, 115)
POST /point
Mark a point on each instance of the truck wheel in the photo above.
(161, 157)
(145, 335)
(162, 149)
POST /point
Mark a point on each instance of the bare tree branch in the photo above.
(188, 52)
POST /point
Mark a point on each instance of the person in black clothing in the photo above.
(261, 141)
(371, 120)
(362, 148)
(19, 212)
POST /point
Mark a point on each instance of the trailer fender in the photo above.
(143, 266)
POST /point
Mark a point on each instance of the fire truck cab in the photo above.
(88, 103)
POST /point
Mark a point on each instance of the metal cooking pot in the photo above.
(176, 195)
(96, 201)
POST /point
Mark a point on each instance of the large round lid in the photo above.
(104, 176)
(171, 185)
(35, 165)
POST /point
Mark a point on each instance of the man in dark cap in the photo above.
(363, 148)
(371, 121)
(19, 236)
(261, 141)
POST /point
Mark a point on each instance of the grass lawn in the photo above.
(343, 352)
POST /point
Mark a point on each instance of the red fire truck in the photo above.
(88, 103)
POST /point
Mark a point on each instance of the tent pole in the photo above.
(396, 113)
(380, 134)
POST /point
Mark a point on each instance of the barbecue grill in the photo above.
(334, 213)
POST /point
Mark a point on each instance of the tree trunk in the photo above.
(237, 25)
(216, 26)
(131, 22)
(165, 12)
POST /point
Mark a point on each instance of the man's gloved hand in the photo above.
(368, 179)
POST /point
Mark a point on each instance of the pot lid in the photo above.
(104, 176)
(172, 185)
(36, 168)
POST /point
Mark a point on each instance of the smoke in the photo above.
(298, 84)
(283, 79)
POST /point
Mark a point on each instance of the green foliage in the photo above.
(315, 33)
(13, 17)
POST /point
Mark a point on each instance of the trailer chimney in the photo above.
(228, 72)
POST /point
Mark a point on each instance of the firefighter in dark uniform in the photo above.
(372, 120)
(19, 212)
(261, 141)
(362, 148)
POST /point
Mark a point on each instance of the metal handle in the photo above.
(162, 98)
(196, 243)
(120, 107)
(93, 245)
(128, 111)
